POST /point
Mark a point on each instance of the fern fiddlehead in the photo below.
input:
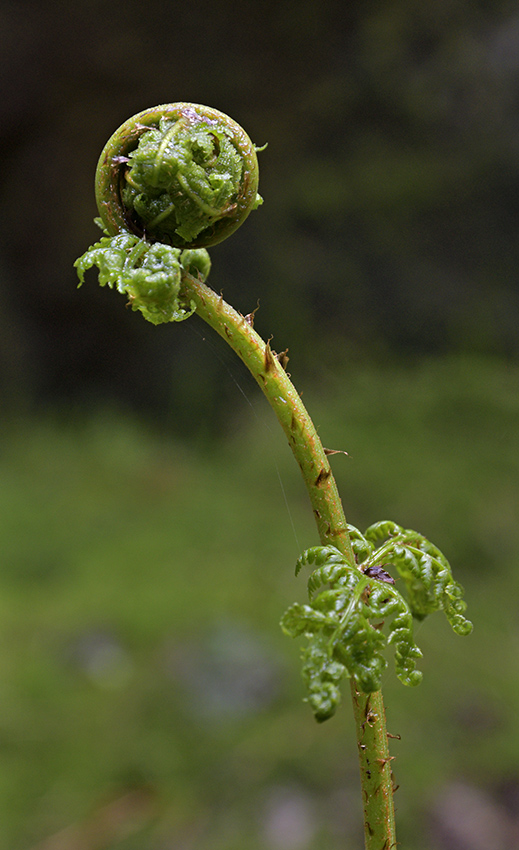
(181, 173)
(170, 182)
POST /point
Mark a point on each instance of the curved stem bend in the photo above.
(291, 413)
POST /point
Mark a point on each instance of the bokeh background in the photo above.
(151, 513)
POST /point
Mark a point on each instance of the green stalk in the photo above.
(375, 769)
(264, 365)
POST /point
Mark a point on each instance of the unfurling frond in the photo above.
(355, 611)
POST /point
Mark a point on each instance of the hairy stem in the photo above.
(264, 365)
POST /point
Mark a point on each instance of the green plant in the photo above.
(171, 181)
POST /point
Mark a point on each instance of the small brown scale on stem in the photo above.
(323, 476)
(269, 359)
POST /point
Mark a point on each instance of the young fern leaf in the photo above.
(425, 570)
(150, 275)
(344, 622)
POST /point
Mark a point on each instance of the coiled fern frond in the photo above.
(355, 611)
(179, 173)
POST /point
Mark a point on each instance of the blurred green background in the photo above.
(151, 513)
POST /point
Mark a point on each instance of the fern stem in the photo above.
(262, 362)
(375, 770)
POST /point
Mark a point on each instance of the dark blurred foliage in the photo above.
(391, 182)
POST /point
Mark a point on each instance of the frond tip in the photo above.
(355, 612)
